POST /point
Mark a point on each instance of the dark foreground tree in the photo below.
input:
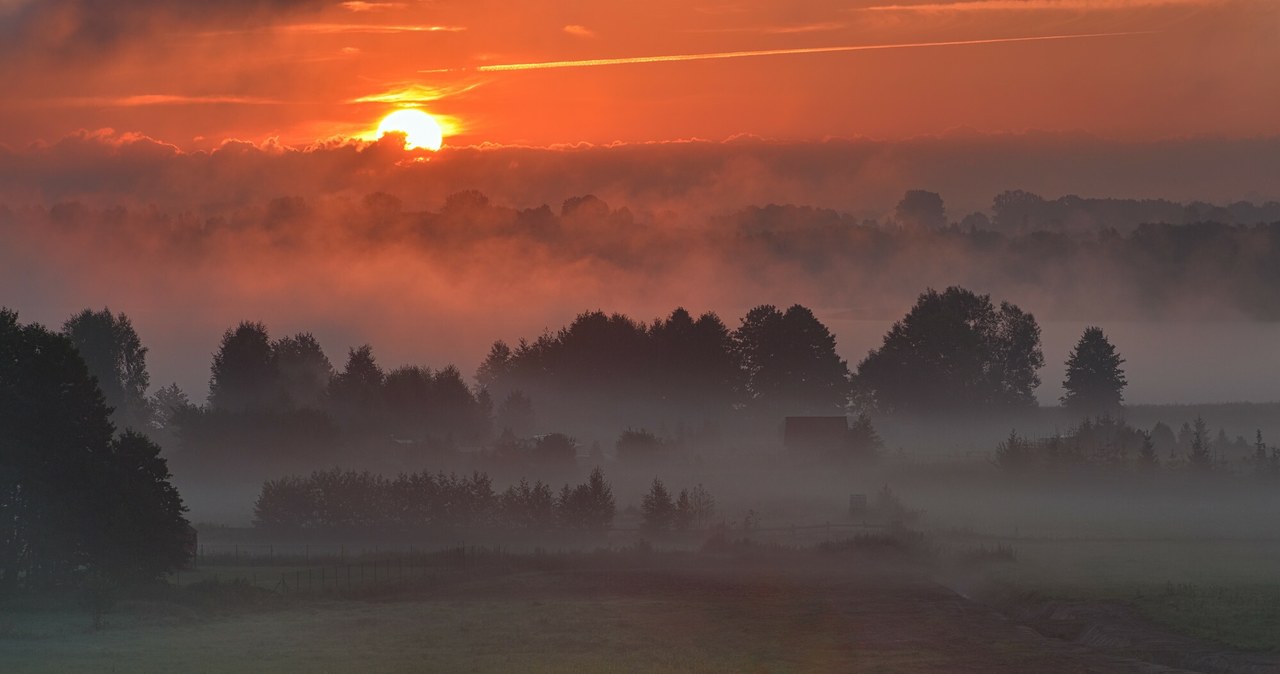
(955, 352)
(1095, 382)
(74, 501)
(115, 355)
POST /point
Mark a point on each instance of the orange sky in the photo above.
(302, 71)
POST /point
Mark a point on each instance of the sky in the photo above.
(194, 164)
(196, 74)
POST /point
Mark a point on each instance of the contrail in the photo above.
(672, 58)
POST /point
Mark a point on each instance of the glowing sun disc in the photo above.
(420, 129)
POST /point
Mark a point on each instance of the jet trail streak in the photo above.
(674, 58)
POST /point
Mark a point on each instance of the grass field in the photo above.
(767, 610)
(1226, 591)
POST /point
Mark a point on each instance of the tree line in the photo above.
(954, 352)
(345, 500)
(1110, 444)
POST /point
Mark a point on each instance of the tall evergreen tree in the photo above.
(1094, 382)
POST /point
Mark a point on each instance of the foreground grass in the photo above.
(1245, 617)
(614, 635)
(1225, 592)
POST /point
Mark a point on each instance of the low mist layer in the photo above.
(432, 258)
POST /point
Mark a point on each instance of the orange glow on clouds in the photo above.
(493, 72)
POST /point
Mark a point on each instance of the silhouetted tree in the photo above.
(1148, 458)
(167, 404)
(921, 210)
(496, 368)
(243, 375)
(954, 351)
(694, 370)
(303, 371)
(790, 362)
(356, 392)
(74, 500)
(144, 532)
(407, 392)
(588, 506)
(528, 507)
(1015, 454)
(684, 511)
(657, 508)
(702, 505)
(1199, 457)
(115, 355)
(1094, 381)
(1163, 438)
(640, 447)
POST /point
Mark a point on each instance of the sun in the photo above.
(420, 129)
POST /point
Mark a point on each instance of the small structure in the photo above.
(815, 435)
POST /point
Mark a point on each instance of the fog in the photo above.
(723, 379)
(362, 245)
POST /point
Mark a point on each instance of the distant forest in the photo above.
(1072, 257)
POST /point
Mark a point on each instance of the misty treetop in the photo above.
(955, 352)
(75, 500)
(115, 356)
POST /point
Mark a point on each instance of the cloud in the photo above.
(359, 6)
(415, 92)
(1034, 5)
(139, 100)
(362, 28)
(579, 31)
(86, 27)
(795, 29)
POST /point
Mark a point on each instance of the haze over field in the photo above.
(857, 335)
